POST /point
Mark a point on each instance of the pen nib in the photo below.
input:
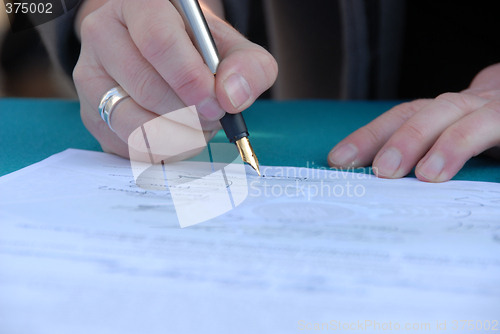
(247, 153)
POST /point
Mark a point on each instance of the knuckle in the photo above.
(447, 96)
(269, 66)
(261, 62)
(404, 111)
(84, 76)
(188, 80)
(90, 28)
(457, 135)
(87, 79)
(273, 64)
(454, 102)
(158, 41)
(79, 74)
(373, 134)
(413, 131)
(147, 87)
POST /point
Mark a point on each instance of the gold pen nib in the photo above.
(247, 153)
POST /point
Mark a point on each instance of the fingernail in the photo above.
(432, 167)
(343, 155)
(211, 109)
(238, 90)
(388, 163)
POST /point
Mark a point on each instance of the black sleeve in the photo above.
(60, 38)
(67, 43)
(238, 14)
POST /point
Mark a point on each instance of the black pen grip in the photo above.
(234, 126)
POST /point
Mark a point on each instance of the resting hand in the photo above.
(437, 136)
(143, 46)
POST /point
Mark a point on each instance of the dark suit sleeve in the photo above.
(60, 39)
(238, 14)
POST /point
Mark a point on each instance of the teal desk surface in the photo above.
(292, 133)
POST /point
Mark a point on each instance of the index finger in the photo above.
(159, 33)
(359, 148)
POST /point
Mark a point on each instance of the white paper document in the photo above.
(83, 249)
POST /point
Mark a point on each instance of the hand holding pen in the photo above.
(146, 50)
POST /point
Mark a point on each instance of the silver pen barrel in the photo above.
(233, 124)
(198, 31)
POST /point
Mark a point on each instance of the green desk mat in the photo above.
(292, 133)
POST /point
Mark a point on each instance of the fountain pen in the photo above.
(233, 124)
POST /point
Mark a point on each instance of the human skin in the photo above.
(142, 45)
(437, 136)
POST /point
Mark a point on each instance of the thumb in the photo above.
(246, 71)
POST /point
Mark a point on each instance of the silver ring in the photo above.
(109, 102)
